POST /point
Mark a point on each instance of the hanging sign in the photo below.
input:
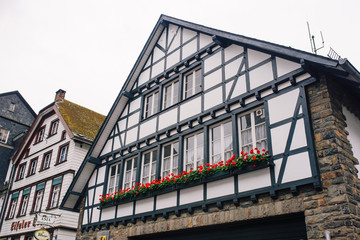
(45, 219)
(42, 234)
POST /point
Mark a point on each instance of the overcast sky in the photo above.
(88, 47)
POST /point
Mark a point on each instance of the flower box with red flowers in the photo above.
(246, 162)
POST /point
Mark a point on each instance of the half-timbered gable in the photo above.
(44, 166)
(197, 96)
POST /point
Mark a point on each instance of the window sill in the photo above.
(58, 163)
(41, 170)
(217, 176)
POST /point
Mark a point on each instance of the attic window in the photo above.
(12, 107)
(192, 83)
(40, 135)
(151, 104)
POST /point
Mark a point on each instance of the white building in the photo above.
(44, 166)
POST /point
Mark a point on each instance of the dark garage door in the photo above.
(290, 227)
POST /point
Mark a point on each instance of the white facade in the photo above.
(46, 163)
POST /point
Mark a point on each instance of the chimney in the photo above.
(60, 95)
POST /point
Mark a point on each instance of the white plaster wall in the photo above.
(166, 200)
(193, 194)
(283, 106)
(254, 180)
(353, 127)
(220, 188)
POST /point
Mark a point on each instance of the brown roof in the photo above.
(82, 122)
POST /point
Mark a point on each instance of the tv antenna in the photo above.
(312, 40)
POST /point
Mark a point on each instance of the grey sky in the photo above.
(89, 47)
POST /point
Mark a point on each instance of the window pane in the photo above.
(188, 85)
(176, 92)
(197, 81)
(155, 103)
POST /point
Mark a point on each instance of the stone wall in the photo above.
(334, 208)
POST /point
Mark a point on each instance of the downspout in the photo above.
(4, 207)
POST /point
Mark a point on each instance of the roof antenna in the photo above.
(312, 40)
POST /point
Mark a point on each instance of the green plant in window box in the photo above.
(252, 160)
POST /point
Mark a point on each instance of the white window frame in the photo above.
(197, 150)
(4, 135)
(32, 166)
(40, 135)
(252, 128)
(21, 173)
(24, 203)
(151, 104)
(55, 195)
(47, 160)
(12, 209)
(194, 90)
(39, 194)
(224, 153)
(113, 185)
(54, 127)
(173, 158)
(63, 152)
(130, 173)
(173, 89)
(151, 174)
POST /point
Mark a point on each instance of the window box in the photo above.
(205, 173)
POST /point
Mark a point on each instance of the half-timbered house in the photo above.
(195, 97)
(44, 166)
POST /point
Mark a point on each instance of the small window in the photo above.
(130, 173)
(21, 171)
(46, 160)
(171, 94)
(40, 135)
(54, 127)
(27, 153)
(253, 130)
(170, 162)
(12, 207)
(38, 200)
(148, 172)
(23, 204)
(194, 151)
(151, 104)
(114, 178)
(221, 145)
(32, 167)
(12, 107)
(4, 135)
(63, 135)
(62, 155)
(192, 83)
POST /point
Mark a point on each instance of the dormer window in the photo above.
(192, 83)
(4, 135)
(40, 135)
(151, 104)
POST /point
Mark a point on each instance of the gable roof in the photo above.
(308, 60)
(82, 122)
(17, 93)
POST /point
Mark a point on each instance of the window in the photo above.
(63, 135)
(170, 159)
(4, 135)
(221, 145)
(253, 130)
(32, 167)
(46, 160)
(151, 104)
(194, 151)
(12, 107)
(38, 197)
(55, 192)
(40, 135)
(21, 171)
(53, 127)
(130, 173)
(171, 94)
(13, 204)
(62, 155)
(192, 83)
(114, 178)
(148, 172)
(24, 202)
